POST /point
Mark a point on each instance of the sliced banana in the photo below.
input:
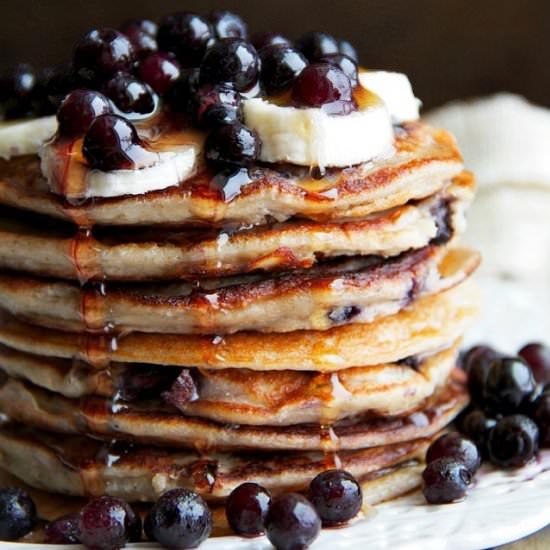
(170, 168)
(311, 137)
(396, 92)
(24, 137)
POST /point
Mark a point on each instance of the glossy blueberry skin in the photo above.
(246, 508)
(281, 65)
(292, 523)
(212, 106)
(101, 54)
(63, 530)
(477, 426)
(159, 70)
(477, 363)
(79, 109)
(508, 386)
(540, 414)
(337, 497)
(231, 61)
(179, 519)
(187, 35)
(17, 514)
(112, 143)
(537, 356)
(315, 45)
(445, 481)
(345, 48)
(324, 85)
(513, 442)
(130, 95)
(227, 24)
(183, 90)
(142, 34)
(457, 447)
(232, 145)
(345, 63)
(263, 39)
(108, 523)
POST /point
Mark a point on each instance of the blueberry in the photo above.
(445, 481)
(280, 67)
(345, 63)
(477, 426)
(17, 91)
(337, 497)
(540, 413)
(315, 45)
(246, 508)
(160, 71)
(232, 145)
(228, 25)
(187, 35)
(263, 39)
(179, 519)
(537, 356)
(513, 442)
(108, 523)
(324, 85)
(345, 48)
(212, 106)
(477, 362)
(59, 83)
(231, 61)
(181, 93)
(78, 110)
(102, 53)
(457, 447)
(112, 143)
(508, 386)
(292, 523)
(63, 530)
(130, 95)
(142, 35)
(144, 25)
(17, 514)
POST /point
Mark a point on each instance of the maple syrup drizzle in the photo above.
(332, 392)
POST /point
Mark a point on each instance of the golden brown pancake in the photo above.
(153, 422)
(243, 396)
(425, 160)
(41, 246)
(356, 290)
(429, 323)
(79, 466)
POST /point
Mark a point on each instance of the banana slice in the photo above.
(311, 137)
(170, 168)
(396, 92)
(24, 137)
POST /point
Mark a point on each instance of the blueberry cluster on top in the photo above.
(200, 66)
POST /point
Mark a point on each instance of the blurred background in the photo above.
(449, 48)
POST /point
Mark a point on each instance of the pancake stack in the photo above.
(201, 337)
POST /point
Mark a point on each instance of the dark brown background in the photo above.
(449, 48)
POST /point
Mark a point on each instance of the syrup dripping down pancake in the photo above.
(151, 422)
(429, 323)
(79, 466)
(356, 290)
(425, 161)
(39, 245)
(242, 396)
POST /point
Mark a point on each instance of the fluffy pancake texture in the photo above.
(429, 323)
(40, 246)
(185, 338)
